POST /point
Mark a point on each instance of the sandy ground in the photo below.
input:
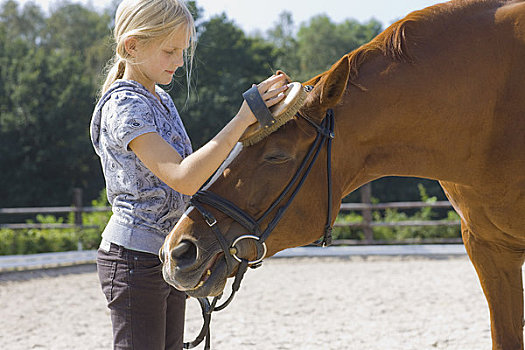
(289, 303)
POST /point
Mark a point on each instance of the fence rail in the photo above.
(365, 207)
(56, 210)
(77, 208)
(394, 205)
(51, 210)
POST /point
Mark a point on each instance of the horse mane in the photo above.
(399, 38)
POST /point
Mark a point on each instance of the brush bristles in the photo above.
(280, 120)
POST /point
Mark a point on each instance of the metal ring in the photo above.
(240, 238)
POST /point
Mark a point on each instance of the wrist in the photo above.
(245, 115)
(244, 121)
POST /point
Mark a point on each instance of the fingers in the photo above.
(274, 100)
(272, 89)
(274, 92)
(275, 96)
(267, 84)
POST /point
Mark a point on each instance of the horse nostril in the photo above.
(184, 254)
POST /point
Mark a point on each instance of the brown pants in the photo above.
(146, 312)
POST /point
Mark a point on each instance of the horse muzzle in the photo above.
(197, 271)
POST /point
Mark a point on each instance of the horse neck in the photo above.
(431, 118)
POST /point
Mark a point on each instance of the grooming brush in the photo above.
(271, 119)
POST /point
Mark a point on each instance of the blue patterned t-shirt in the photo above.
(144, 208)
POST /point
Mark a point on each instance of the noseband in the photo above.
(325, 134)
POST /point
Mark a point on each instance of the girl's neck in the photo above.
(131, 74)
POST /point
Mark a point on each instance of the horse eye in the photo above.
(276, 158)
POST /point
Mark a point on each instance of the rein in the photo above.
(325, 134)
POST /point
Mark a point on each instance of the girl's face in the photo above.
(157, 61)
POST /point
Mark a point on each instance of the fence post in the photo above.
(366, 198)
(77, 204)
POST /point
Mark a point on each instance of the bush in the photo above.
(90, 238)
(348, 232)
(400, 232)
(33, 241)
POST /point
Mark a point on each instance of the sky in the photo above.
(260, 15)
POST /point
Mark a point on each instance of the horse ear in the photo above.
(287, 77)
(334, 83)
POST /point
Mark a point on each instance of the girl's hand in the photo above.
(189, 174)
(271, 92)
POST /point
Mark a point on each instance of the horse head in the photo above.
(195, 261)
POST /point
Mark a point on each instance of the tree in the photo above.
(226, 64)
(47, 100)
(45, 143)
(77, 31)
(322, 42)
(26, 24)
(282, 36)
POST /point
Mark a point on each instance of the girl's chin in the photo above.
(164, 81)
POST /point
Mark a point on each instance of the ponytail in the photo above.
(115, 72)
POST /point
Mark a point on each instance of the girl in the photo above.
(150, 169)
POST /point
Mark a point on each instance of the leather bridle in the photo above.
(325, 134)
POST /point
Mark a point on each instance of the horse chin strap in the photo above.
(325, 133)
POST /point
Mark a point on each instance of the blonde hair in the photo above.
(147, 20)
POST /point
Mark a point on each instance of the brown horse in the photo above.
(440, 95)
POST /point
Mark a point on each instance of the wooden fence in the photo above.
(77, 209)
(365, 207)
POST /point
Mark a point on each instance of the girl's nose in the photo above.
(180, 61)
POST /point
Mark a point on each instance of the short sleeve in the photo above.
(128, 115)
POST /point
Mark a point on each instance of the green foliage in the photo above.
(320, 40)
(32, 241)
(282, 36)
(400, 232)
(76, 31)
(90, 237)
(227, 63)
(318, 43)
(47, 100)
(348, 232)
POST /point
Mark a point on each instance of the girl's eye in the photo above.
(172, 52)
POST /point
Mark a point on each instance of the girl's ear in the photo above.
(130, 44)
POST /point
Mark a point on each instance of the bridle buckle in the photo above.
(210, 221)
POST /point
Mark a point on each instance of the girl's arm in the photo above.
(189, 174)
